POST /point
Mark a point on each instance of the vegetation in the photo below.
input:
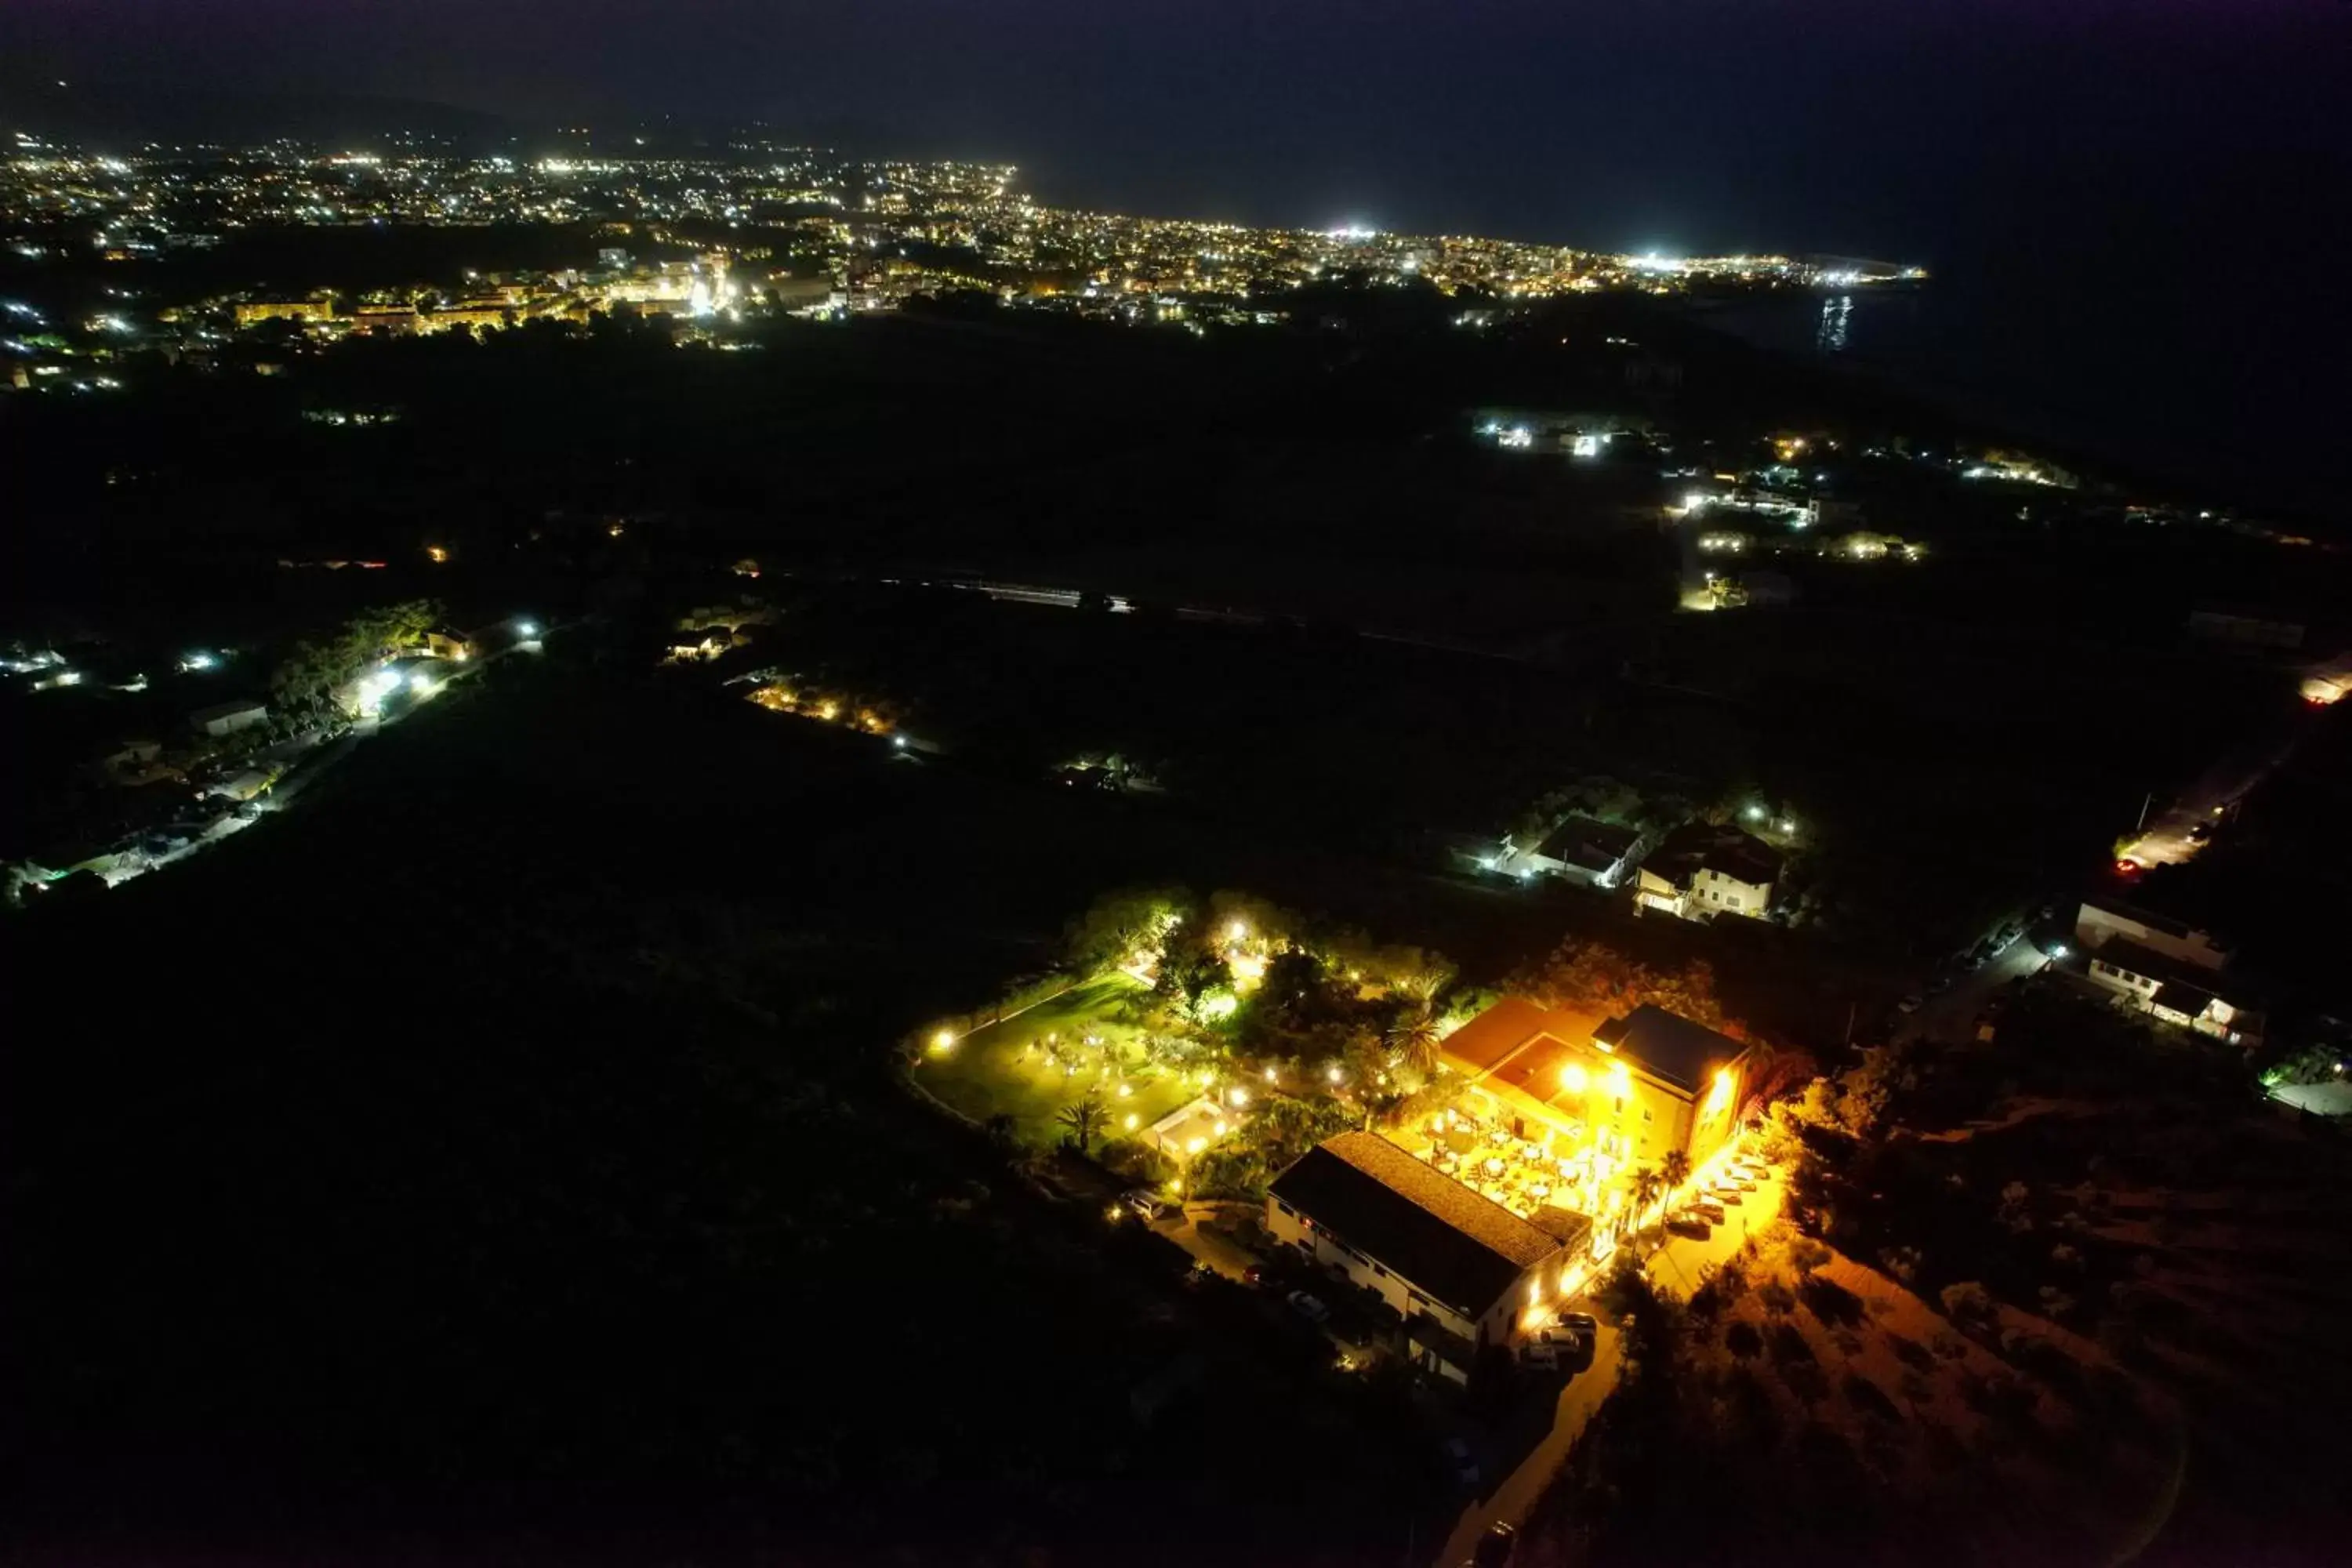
(564, 1176)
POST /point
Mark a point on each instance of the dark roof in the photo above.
(1429, 1229)
(1581, 841)
(2136, 913)
(2179, 980)
(1731, 851)
(1673, 1047)
(1753, 862)
(2133, 958)
(2179, 996)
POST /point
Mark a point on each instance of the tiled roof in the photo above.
(1495, 1033)
(1440, 1236)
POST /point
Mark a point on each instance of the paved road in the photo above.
(2164, 838)
(1517, 1493)
(1952, 1015)
(1674, 1266)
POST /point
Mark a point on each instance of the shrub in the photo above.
(1831, 1302)
(1868, 1398)
(1776, 1297)
(1742, 1341)
(1967, 1301)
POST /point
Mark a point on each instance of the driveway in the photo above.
(1511, 1500)
(1674, 1266)
(1952, 1015)
(1210, 1248)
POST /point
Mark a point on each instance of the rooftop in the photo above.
(1436, 1234)
(1729, 851)
(1669, 1046)
(1582, 841)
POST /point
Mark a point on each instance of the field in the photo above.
(1006, 1068)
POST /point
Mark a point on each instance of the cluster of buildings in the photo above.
(1697, 871)
(877, 232)
(1480, 1224)
(2166, 969)
(702, 287)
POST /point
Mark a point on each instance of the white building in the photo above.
(1580, 850)
(1461, 1271)
(2102, 921)
(1701, 870)
(2177, 990)
(228, 717)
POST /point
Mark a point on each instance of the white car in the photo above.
(1308, 1307)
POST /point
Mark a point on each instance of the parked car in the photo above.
(1708, 1210)
(1689, 1224)
(1310, 1308)
(1583, 1325)
(2200, 832)
(1254, 1275)
(1909, 1004)
(246, 810)
(1458, 1456)
(1723, 1191)
(1540, 1352)
(1495, 1548)
(1144, 1204)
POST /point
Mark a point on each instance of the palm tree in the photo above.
(1647, 1185)
(1412, 1041)
(1675, 1169)
(1083, 1119)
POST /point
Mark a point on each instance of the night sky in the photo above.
(2155, 184)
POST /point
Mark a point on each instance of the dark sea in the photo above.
(2215, 358)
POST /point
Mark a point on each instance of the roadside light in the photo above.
(1220, 1128)
(1194, 1145)
(1237, 931)
(420, 683)
(1237, 1097)
(436, 554)
(1754, 814)
(2059, 950)
(899, 741)
(1133, 1121)
(1127, 1091)
(527, 629)
(1620, 1080)
(1573, 1077)
(1333, 1073)
(944, 1040)
(1111, 1213)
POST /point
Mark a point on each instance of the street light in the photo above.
(527, 629)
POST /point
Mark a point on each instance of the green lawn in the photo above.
(1005, 1068)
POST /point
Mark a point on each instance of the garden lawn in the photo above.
(988, 1075)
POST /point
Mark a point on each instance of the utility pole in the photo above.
(2146, 800)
